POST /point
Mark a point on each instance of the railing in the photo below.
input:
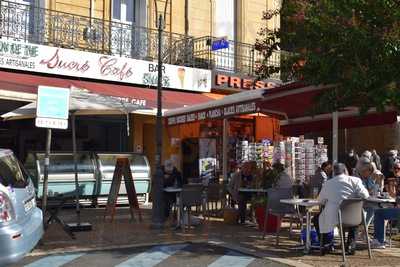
(54, 28)
(32, 24)
(238, 58)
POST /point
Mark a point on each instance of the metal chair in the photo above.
(214, 196)
(192, 195)
(275, 207)
(351, 214)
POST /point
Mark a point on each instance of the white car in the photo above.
(21, 222)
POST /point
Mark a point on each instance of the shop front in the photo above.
(291, 131)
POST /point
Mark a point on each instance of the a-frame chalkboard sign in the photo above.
(122, 168)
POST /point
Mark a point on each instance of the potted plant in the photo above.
(266, 178)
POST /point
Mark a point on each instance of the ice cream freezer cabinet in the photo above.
(95, 173)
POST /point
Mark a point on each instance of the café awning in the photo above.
(82, 102)
(23, 87)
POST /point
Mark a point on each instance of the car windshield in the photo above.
(11, 173)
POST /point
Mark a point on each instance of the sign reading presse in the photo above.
(52, 107)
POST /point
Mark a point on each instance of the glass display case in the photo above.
(95, 173)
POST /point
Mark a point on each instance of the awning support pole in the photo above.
(335, 139)
(225, 149)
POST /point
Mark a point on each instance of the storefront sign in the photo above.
(225, 81)
(217, 113)
(60, 61)
(52, 107)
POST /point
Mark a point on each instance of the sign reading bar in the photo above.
(216, 113)
(52, 108)
(60, 61)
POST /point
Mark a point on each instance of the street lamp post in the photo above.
(158, 216)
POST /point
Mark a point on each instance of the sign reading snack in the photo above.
(60, 61)
(216, 113)
(234, 82)
(52, 107)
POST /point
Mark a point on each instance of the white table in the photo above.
(308, 204)
(177, 192)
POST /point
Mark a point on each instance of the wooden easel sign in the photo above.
(122, 168)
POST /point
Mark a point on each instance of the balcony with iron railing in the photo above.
(28, 23)
(238, 57)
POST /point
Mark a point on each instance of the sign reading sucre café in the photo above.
(74, 63)
(216, 113)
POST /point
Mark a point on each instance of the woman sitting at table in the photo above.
(172, 178)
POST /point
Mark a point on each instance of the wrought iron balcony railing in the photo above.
(32, 24)
(238, 58)
(48, 27)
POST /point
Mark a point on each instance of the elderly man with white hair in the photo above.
(333, 192)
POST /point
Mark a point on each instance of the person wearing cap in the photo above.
(333, 192)
(172, 178)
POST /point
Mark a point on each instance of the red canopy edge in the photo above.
(147, 97)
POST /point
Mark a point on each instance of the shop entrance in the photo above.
(190, 158)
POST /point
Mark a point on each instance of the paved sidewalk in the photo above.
(125, 233)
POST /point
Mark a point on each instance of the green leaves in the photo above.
(354, 44)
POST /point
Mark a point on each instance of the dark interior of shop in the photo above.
(94, 133)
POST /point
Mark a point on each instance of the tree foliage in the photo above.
(353, 44)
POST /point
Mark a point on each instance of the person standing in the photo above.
(389, 162)
(376, 159)
(351, 161)
(333, 192)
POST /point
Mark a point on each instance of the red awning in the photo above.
(28, 83)
(295, 102)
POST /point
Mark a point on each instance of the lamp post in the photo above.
(158, 184)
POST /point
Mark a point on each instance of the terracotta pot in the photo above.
(273, 221)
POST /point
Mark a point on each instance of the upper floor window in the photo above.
(123, 10)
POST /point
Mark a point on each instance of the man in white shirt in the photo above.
(333, 192)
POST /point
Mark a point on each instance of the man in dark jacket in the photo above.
(172, 178)
(351, 161)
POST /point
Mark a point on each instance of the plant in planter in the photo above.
(267, 178)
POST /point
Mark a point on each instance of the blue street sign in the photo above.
(52, 102)
(219, 44)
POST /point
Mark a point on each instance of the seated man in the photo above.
(321, 176)
(333, 192)
(172, 178)
(379, 225)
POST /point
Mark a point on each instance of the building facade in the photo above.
(125, 30)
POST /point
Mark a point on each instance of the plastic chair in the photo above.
(351, 214)
(275, 207)
(192, 195)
